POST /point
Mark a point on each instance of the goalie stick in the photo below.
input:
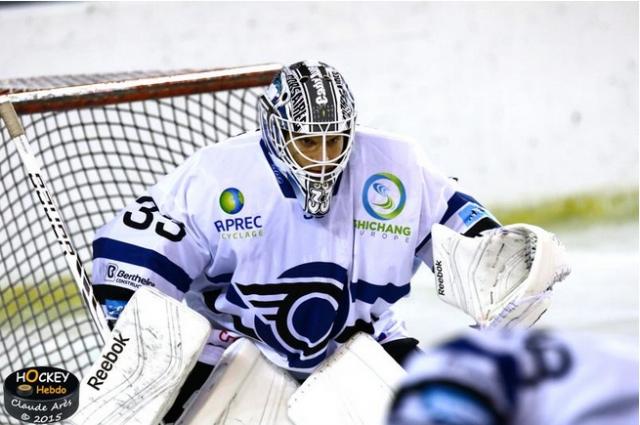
(33, 169)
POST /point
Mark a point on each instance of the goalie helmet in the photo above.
(308, 101)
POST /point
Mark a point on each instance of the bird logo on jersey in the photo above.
(302, 313)
(383, 196)
(306, 309)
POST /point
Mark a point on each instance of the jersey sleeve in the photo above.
(445, 202)
(154, 241)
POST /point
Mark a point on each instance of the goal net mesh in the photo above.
(95, 160)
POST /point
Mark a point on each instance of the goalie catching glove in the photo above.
(502, 278)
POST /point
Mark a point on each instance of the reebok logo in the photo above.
(440, 277)
(110, 359)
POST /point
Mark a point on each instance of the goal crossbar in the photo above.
(29, 101)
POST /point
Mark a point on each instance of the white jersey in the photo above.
(520, 378)
(225, 232)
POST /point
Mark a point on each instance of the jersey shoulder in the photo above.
(236, 149)
(230, 164)
(375, 148)
(368, 138)
(237, 158)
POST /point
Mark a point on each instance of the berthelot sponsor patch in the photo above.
(41, 394)
(126, 278)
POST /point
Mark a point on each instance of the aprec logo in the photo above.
(231, 200)
(383, 196)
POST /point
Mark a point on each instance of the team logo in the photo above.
(306, 308)
(231, 200)
(303, 315)
(302, 312)
(383, 196)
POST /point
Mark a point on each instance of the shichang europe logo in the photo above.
(383, 198)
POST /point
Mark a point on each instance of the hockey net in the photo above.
(102, 140)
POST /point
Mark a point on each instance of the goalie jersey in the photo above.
(225, 232)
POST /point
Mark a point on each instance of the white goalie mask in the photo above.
(307, 118)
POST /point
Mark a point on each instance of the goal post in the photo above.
(101, 140)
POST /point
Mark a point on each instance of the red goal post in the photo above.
(102, 139)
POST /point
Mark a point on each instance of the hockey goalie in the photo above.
(295, 240)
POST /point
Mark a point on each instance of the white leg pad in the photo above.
(244, 388)
(354, 386)
(155, 343)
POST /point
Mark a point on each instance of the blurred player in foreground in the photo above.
(519, 377)
(305, 232)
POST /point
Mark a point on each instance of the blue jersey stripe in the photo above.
(370, 293)
(221, 278)
(456, 202)
(143, 257)
(317, 269)
(471, 214)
